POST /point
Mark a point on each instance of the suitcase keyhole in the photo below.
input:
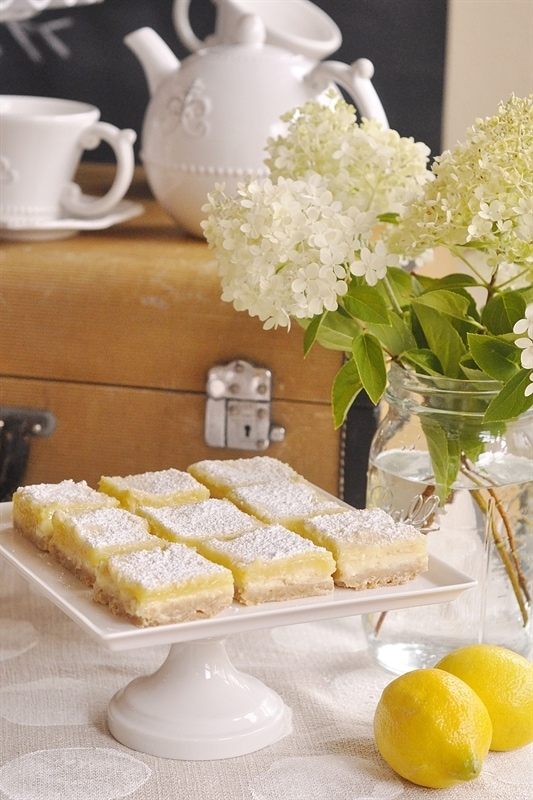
(247, 429)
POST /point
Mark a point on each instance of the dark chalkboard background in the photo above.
(79, 53)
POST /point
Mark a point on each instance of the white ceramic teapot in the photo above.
(209, 117)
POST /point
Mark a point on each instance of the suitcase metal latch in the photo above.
(238, 407)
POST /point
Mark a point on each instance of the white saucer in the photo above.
(64, 226)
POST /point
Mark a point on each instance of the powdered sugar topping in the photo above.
(206, 518)
(162, 568)
(163, 482)
(66, 491)
(363, 525)
(268, 543)
(243, 471)
(278, 500)
(104, 527)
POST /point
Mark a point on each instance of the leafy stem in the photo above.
(512, 562)
(392, 297)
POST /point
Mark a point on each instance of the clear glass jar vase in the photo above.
(484, 528)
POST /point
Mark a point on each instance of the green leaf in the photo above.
(451, 304)
(502, 311)
(441, 337)
(389, 216)
(368, 355)
(511, 402)
(335, 332)
(456, 280)
(456, 283)
(401, 283)
(366, 304)
(470, 371)
(311, 332)
(445, 454)
(494, 356)
(346, 386)
(423, 361)
(527, 293)
(458, 307)
(396, 337)
(473, 244)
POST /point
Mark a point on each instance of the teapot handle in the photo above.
(180, 15)
(356, 80)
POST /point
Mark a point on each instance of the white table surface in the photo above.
(56, 683)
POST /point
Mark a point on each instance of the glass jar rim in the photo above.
(409, 380)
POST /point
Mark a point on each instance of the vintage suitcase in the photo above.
(114, 332)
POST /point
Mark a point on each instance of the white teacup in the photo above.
(41, 143)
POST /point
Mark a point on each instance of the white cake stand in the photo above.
(198, 705)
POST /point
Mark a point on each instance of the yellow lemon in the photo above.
(504, 681)
(432, 728)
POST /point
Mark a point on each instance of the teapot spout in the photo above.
(155, 56)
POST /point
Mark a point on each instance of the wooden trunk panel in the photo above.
(120, 430)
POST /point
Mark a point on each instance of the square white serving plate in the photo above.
(441, 583)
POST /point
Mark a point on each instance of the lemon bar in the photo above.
(81, 541)
(194, 522)
(34, 506)
(167, 487)
(222, 476)
(284, 503)
(166, 584)
(370, 549)
(273, 563)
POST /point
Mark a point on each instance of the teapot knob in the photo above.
(250, 30)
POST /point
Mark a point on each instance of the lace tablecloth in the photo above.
(56, 684)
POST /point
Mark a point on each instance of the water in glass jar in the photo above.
(463, 534)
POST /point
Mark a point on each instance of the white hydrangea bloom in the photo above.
(481, 198)
(373, 263)
(525, 325)
(288, 245)
(366, 164)
(282, 247)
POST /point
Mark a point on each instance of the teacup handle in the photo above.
(73, 200)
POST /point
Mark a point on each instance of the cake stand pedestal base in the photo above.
(197, 706)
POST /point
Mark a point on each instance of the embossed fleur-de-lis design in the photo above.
(190, 109)
(8, 174)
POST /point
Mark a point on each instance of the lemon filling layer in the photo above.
(83, 540)
(272, 563)
(163, 574)
(369, 548)
(34, 506)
